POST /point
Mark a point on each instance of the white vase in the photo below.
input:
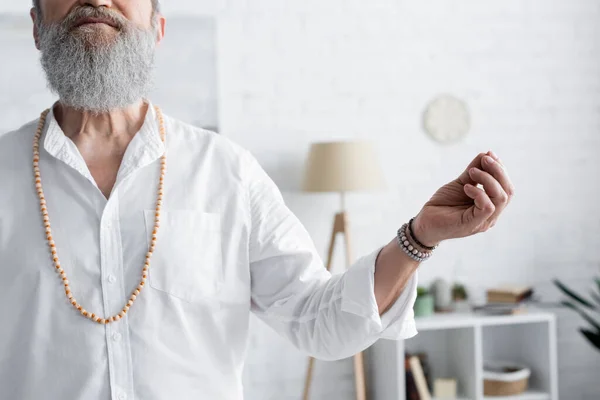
(442, 292)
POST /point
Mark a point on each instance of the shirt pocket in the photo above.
(187, 258)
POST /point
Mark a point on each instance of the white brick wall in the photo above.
(298, 71)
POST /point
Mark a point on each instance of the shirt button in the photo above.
(122, 396)
(112, 278)
(117, 338)
(108, 225)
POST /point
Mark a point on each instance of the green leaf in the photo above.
(574, 295)
(585, 316)
(595, 297)
(593, 337)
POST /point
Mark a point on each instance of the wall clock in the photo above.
(446, 119)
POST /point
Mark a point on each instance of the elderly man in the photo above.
(134, 247)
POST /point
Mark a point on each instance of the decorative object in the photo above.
(504, 378)
(424, 303)
(342, 167)
(444, 389)
(446, 119)
(583, 307)
(442, 294)
(52, 245)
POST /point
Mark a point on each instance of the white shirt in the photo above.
(227, 246)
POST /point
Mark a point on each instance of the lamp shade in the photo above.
(342, 167)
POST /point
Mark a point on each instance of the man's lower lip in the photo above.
(94, 23)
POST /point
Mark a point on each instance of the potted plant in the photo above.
(586, 309)
(459, 297)
(424, 304)
(459, 293)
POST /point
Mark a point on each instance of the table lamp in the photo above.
(342, 167)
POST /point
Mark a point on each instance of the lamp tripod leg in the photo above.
(340, 225)
(308, 381)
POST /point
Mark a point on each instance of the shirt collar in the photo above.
(145, 147)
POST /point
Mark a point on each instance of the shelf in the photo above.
(454, 398)
(459, 345)
(528, 395)
(463, 320)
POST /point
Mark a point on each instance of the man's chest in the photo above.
(201, 247)
(195, 306)
(105, 176)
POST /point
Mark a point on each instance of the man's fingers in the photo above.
(490, 184)
(486, 170)
(494, 191)
(478, 162)
(493, 167)
(465, 177)
(484, 207)
(495, 157)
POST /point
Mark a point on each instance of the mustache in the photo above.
(74, 18)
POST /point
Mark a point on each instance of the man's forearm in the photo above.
(393, 270)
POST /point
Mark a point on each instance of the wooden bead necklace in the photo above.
(62, 274)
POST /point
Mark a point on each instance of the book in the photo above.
(424, 359)
(411, 387)
(445, 388)
(500, 309)
(426, 369)
(419, 377)
(509, 294)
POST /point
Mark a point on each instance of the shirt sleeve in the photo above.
(327, 316)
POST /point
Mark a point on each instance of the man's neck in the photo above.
(120, 124)
(102, 139)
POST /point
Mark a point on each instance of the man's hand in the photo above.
(460, 208)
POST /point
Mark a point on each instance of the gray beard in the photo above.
(90, 72)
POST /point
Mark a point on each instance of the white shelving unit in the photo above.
(457, 345)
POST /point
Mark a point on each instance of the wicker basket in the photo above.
(504, 379)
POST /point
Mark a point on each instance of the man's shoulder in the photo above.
(201, 139)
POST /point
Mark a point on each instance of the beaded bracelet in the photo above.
(412, 234)
(408, 248)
